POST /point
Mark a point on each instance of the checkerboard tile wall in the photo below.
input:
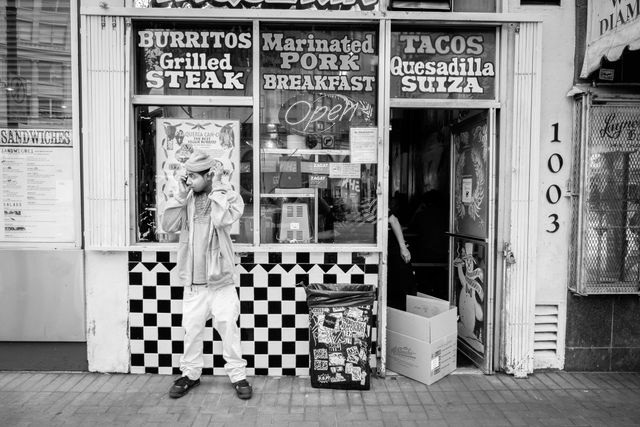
(274, 318)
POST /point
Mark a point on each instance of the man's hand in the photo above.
(183, 190)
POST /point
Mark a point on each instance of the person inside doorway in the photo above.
(401, 281)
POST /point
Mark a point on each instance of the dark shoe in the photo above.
(181, 386)
(243, 389)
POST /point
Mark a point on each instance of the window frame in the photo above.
(253, 101)
(281, 153)
(69, 51)
(580, 200)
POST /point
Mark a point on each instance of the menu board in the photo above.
(36, 179)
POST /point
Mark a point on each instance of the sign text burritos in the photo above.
(451, 64)
(179, 60)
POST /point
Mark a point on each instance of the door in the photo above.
(471, 231)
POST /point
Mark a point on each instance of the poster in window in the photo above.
(471, 191)
(469, 278)
(177, 139)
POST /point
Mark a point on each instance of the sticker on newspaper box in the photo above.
(353, 328)
(321, 365)
(320, 353)
(353, 354)
(336, 359)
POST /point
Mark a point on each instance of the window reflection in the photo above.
(165, 138)
(35, 74)
(318, 134)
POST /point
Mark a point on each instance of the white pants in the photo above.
(201, 303)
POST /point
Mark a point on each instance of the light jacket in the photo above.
(226, 208)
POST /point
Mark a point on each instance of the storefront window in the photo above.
(318, 134)
(606, 259)
(165, 138)
(36, 138)
(211, 59)
(33, 35)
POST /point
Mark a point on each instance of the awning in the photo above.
(612, 26)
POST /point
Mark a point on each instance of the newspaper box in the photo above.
(422, 341)
(340, 317)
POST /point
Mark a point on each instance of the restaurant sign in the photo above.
(612, 26)
(173, 61)
(457, 64)
(312, 62)
(36, 186)
(615, 127)
(324, 81)
(320, 114)
(263, 4)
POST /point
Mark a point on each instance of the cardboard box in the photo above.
(422, 341)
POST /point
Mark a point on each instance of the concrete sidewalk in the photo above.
(545, 399)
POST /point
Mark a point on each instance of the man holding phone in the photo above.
(203, 210)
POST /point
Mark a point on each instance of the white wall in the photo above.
(558, 41)
(106, 279)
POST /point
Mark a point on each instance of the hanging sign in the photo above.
(36, 185)
(363, 145)
(318, 181)
(614, 127)
(612, 26)
(193, 59)
(453, 64)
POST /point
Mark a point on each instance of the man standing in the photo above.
(203, 210)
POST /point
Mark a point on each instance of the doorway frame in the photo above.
(494, 106)
(493, 278)
(516, 121)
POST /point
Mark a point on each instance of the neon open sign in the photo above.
(321, 114)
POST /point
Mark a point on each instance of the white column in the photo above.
(104, 131)
(519, 286)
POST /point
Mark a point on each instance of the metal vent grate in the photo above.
(545, 336)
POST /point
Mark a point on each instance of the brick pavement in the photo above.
(546, 399)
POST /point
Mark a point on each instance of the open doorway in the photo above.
(420, 194)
